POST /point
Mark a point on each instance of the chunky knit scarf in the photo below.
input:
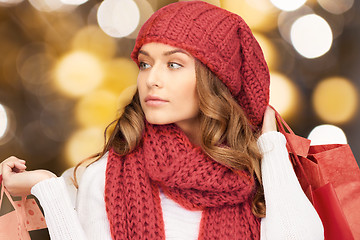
(166, 159)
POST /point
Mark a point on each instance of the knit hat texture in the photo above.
(222, 41)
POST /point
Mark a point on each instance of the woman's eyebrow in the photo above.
(144, 53)
(175, 51)
(165, 53)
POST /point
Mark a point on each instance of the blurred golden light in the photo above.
(336, 7)
(311, 2)
(126, 97)
(284, 96)
(92, 39)
(327, 134)
(118, 18)
(335, 100)
(120, 74)
(83, 144)
(269, 50)
(287, 5)
(258, 14)
(97, 108)
(213, 2)
(311, 36)
(78, 73)
(3, 121)
(146, 11)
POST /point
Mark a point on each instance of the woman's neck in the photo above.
(192, 131)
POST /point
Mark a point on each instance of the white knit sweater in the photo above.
(81, 214)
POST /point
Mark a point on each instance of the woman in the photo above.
(185, 160)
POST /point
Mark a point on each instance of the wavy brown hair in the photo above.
(222, 123)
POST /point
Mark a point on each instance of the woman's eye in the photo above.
(174, 65)
(143, 65)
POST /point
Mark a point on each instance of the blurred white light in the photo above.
(118, 18)
(288, 5)
(336, 6)
(146, 11)
(3, 121)
(74, 2)
(286, 20)
(8, 3)
(327, 134)
(47, 5)
(311, 36)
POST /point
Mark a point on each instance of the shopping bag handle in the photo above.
(21, 216)
(285, 129)
(3, 190)
(283, 126)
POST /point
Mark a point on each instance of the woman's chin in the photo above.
(156, 121)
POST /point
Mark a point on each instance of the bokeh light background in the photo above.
(66, 72)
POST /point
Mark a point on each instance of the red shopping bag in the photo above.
(330, 177)
(26, 216)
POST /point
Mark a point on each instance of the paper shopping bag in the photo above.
(330, 177)
(338, 166)
(331, 213)
(26, 216)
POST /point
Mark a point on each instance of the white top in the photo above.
(81, 214)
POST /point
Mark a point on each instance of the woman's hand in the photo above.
(269, 123)
(18, 181)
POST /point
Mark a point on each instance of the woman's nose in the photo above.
(154, 77)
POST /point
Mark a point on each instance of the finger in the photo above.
(12, 160)
(269, 111)
(270, 115)
(269, 123)
(19, 167)
(12, 163)
(7, 168)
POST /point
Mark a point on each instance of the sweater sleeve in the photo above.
(60, 214)
(71, 213)
(289, 213)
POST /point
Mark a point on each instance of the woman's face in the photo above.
(166, 84)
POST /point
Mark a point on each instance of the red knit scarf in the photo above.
(168, 160)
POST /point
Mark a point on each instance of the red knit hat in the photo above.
(219, 39)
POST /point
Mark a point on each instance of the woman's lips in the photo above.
(155, 101)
